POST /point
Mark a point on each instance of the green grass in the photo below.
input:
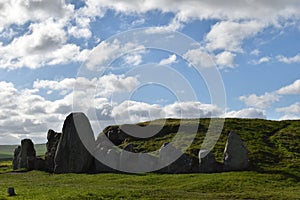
(230, 185)
(274, 173)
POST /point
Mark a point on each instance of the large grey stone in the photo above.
(24, 153)
(207, 161)
(106, 159)
(72, 155)
(128, 159)
(16, 157)
(174, 160)
(51, 146)
(235, 153)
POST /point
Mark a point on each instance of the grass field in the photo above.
(230, 185)
(274, 173)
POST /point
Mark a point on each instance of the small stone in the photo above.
(11, 191)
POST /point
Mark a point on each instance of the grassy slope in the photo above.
(275, 163)
(273, 145)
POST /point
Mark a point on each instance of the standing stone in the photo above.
(207, 161)
(71, 155)
(26, 153)
(108, 156)
(16, 157)
(53, 139)
(167, 156)
(128, 159)
(235, 153)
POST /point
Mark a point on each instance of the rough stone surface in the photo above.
(71, 155)
(16, 157)
(128, 159)
(167, 155)
(51, 146)
(23, 153)
(35, 163)
(109, 156)
(207, 161)
(235, 153)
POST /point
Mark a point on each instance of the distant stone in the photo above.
(207, 161)
(51, 146)
(174, 160)
(235, 153)
(71, 155)
(11, 191)
(23, 153)
(16, 157)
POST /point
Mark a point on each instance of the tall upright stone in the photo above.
(207, 161)
(23, 154)
(72, 155)
(235, 153)
(16, 157)
(51, 146)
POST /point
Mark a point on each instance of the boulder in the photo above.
(72, 155)
(51, 146)
(147, 162)
(35, 163)
(235, 153)
(106, 155)
(23, 153)
(168, 153)
(128, 159)
(16, 157)
(207, 161)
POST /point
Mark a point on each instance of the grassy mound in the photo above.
(273, 145)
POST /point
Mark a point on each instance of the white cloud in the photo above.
(263, 101)
(45, 44)
(132, 112)
(133, 59)
(233, 10)
(225, 59)
(292, 109)
(255, 52)
(106, 85)
(289, 60)
(294, 88)
(247, 113)
(229, 35)
(265, 59)
(20, 11)
(168, 61)
(191, 110)
(106, 52)
(199, 58)
(175, 25)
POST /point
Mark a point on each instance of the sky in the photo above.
(131, 61)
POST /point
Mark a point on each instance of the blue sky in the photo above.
(45, 46)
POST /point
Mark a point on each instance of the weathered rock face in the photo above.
(71, 155)
(128, 159)
(16, 157)
(24, 154)
(106, 155)
(207, 161)
(167, 153)
(235, 153)
(53, 139)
